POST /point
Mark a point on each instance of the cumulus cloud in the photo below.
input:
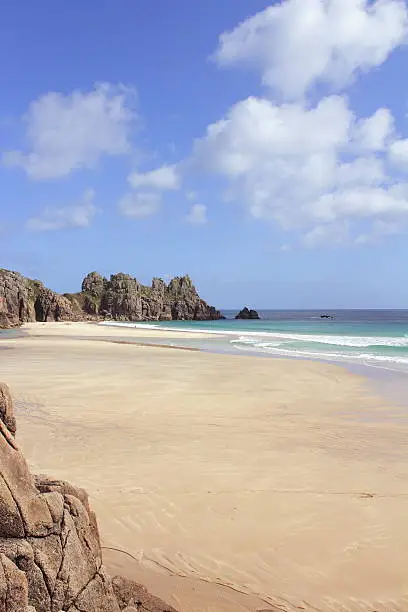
(313, 168)
(332, 234)
(79, 215)
(140, 204)
(376, 132)
(298, 43)
(317, 169)
(70, 132)
(381, 230)
(197, 214)
(398, 154)
(164, 178)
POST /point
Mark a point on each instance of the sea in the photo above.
(374, 338)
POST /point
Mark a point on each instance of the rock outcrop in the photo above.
(50, 553)
(121, 298)
(16, 300)
(246, 313)
(23, 300)
(186, 304)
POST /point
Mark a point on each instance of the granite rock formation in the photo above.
(50, 553)
(23, 300)
(246, 313)
(121, 298)
(16, 305)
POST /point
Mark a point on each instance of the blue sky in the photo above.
(260, 147)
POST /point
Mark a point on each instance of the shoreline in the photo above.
(387, 382)
(233, 483)
(153, 331)
(392, 383)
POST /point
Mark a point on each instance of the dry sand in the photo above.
(231, 483)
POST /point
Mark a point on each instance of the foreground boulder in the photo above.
(246, 313)
(50, 552)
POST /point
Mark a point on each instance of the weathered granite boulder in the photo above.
(246, 313)
(50, 553)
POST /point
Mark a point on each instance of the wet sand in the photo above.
(222, 482)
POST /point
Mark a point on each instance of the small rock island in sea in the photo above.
(121, 298)
(246, 313)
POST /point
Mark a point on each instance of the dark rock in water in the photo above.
(246, 313)
(50, 552)
(326, 316)
(121, 298)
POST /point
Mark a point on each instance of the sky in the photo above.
(261, 147)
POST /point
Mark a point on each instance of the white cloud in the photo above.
(140, 204)
(71, 132)
(381, 230)
(197, 214)
(278, 158)
(333, 235)
(376, 132)
(298, 43)
(361, 202)
(76, 216)
(317, 170)
(256, 127)
(398, 154)
(164, 178)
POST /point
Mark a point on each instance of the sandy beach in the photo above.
(223, 482)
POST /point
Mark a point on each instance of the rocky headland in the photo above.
(120, 298)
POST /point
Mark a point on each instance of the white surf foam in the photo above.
(248, 336)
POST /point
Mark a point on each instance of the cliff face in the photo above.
(121, 298)
(23, 300)
(50, 553)
(16, 305)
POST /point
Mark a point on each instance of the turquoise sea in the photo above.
(377, 338)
